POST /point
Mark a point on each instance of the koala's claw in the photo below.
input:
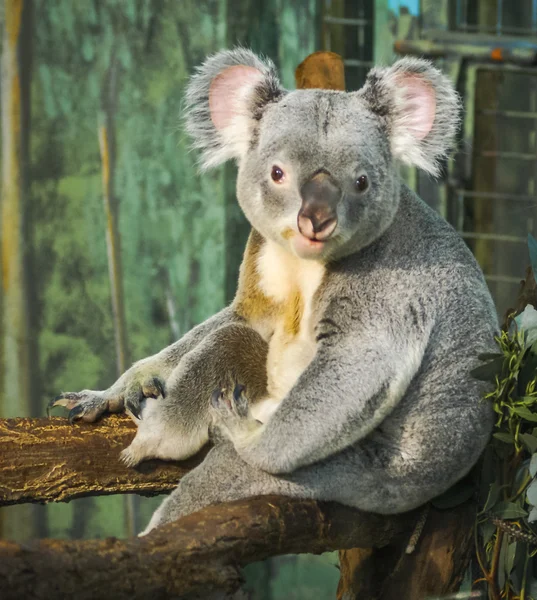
(86, 405)
(75, 413)
(152, 387)
(235, 405)
(232, 417)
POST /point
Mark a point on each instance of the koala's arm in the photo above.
(168, 358)
(146, 378)
(354, 381)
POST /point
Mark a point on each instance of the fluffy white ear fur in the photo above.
(419, 108)
(230, 104)
(225, 100)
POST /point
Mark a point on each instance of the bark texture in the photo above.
(435, 568)
(191, 558)
(49, 460)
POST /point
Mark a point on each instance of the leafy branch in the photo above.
(506, 525)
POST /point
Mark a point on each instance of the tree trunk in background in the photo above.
(107, 145)
(18, 347)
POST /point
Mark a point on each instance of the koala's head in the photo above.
(318, 169)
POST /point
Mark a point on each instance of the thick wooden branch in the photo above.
(191, 557)
(45, 460)
(434, 569)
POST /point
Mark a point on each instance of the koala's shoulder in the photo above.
(419, 256)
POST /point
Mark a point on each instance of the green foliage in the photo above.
(507, 553)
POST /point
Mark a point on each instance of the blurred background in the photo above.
(113, 246)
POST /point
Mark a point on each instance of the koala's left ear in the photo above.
(419, 109)
(225, 102)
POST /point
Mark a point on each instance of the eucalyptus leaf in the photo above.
(503, 562)
(517, 574)
(508, 510)
(510, 559)
(532, 517)
(525, 413)
(529, 441)
(531, 493)
(487, 531)
(533, 465)
(527, 372)
(489, 371)
(532, 247)
(527, 322)
(531, 585)
(505, 437)
(493, 497)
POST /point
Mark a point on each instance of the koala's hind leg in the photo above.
(369, 476)
(175, 426)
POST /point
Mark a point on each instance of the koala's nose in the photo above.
(317, 218)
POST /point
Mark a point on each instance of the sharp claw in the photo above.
(75, 413)
(52, 403)
(215, 398)
(134, 408)
(237, 392)
(160, 387)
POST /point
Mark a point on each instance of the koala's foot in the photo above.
(165, 433)
(231, 414)
(150, 387)
(89, 405)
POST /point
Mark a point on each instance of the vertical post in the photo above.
(19, 368)
(107, 146)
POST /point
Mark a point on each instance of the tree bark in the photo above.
(18, 346)
(435, 568)
(107, 145)
(49, 460)
(193, 557)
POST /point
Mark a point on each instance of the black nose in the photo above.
(317, 218)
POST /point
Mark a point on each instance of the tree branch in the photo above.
(50, 460)
(192, 557)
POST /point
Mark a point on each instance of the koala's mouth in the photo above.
(305, 247)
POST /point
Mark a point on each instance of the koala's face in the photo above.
(318, 169)
(319, 176)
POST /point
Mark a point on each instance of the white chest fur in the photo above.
(289, 281)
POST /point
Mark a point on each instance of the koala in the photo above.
(341, 371)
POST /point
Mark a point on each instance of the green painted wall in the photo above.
(181, 233)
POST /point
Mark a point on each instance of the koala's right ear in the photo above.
(225, 102)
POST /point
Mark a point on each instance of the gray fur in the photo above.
(386, 415)
(197, 115)
(336, 436)
(383, 93)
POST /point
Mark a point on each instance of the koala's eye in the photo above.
(277, 174)
(361, 184)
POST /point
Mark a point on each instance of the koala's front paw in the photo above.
(231, 414)
(89, 405)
